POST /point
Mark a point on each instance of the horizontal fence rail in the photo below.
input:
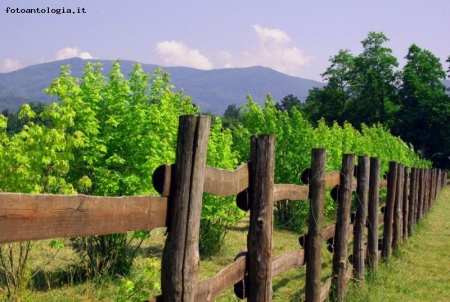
(44, 216)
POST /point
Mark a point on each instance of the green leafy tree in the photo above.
(330, 102)
(231, 116)
(15, 124)
(423, 117)
(373, 86)
(105, 136)
(288, 103)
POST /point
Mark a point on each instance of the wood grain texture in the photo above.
(332, 179)
(180, 259)
(397, 232)
(412, 201)
(342, 227)
(389, 210)
(405, 206)
(362, 192)
(44, 216)
(373, 213)
(290, 192)
(259, 239)
(225, 182)
(287, 261)
(315, 228)
(209, 289)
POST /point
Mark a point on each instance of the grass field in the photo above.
(420, 271)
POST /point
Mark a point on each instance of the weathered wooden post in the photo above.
(418, 196)
(412, 201)
(432, 186)
(374, 199)
(405, 204)
(389, 210)
(342, 228)
(259, 240)
(362, 190)
(421, 182)
(427, 192)
(180, 259)
(315, 228)
(398, 213)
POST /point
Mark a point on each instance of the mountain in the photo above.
(213, 89)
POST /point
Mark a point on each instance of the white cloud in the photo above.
(267, 34)
(274, 51)
(10, 65)
(71, 52)
(179, 54)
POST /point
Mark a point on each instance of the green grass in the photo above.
(418, 272)
(420, 269)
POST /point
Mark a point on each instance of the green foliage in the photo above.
(295, 137)
(330, 102)
(105, 136)
(288, 102)
(142, 284)
(367, 89)
(422, 118)
(231, 116)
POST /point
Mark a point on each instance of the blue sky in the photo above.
(293, 37)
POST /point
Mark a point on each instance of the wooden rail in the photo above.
(44, 216)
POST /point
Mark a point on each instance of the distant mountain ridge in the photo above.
(213, 90)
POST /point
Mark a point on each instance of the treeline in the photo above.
(369, 88)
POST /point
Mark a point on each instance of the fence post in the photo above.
(405, 203)
(427, 192)
(389, 210)
(259, 240)
(362, 190)
(412, 201)
(417, 197)
(374, 198)
(180, 259)
(432, 186)
(315, 228)
(419, 194)
(398, 218)
(342, 227)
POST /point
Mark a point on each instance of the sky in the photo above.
(294, 37)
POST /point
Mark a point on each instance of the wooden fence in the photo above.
(410, 194)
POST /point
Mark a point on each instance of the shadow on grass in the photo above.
(47, 280)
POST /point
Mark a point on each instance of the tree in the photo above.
(330, 102)
(288, 103)
(323, 103)
(339, 78)
(423, 116)
(231, 116)
(373, 83)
